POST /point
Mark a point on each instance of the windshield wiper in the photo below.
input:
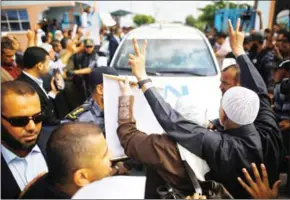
(180, 72)
(154, 73)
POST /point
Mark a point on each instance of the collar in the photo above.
(117, 38)
(9, 156)
(242, 131)
(37, 80)
(95, 106)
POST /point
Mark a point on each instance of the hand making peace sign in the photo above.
(236, 38)
(137, 61)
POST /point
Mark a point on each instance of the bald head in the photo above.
(71, 147)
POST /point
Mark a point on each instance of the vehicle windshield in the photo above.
(171, 55)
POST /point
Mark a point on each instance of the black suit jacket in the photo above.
(47, 104)
(113, 45)
(9, 186)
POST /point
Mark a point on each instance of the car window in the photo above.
(171, 55)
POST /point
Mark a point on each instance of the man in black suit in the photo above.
(36, 65)
(22, 146)
(114, 42)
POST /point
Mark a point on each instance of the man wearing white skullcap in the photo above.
(245, 139)
(240, 105)
(162, 157)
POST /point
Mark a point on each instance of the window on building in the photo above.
(14, 20)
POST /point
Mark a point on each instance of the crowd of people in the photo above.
(53, 126)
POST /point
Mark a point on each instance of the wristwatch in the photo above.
(141, 83)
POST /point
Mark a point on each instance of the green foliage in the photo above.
(191, 21)
(143, 19)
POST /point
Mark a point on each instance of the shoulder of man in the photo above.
(76, 113)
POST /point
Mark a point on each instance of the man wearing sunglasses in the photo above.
(21, 121)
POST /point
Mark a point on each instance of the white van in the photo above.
(179, 59)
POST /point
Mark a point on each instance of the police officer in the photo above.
(93, 108)
(83, 64)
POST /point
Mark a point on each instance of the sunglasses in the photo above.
(23, 121)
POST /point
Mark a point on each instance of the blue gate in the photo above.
(222, 16)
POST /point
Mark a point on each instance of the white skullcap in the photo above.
(193, 109)
(241, 105)
(228, 62)
(47, 47)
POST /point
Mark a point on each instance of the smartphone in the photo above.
(58, 80)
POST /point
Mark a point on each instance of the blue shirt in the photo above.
(88, 112)
(27, 168)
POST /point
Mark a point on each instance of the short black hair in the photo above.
(17, 87)
(67, 147)
(221, 35)
(44, 39)
(257, 37)
(54, 43)
(267, 30)
(64, 42)
(32, 56)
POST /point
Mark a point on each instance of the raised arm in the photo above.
(265, 122)
(154, 150)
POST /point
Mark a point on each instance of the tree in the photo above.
(143, 19)
(191, 21)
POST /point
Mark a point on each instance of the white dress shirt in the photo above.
(25, 169)
(117, 38)
(40, 83)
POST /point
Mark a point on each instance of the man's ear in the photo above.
(99, 89)
(81, 177)
(39, 66)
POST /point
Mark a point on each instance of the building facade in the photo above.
(18, 16)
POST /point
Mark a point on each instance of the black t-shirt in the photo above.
(43, 189)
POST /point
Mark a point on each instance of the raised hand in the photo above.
(137, 61)
(259, 189)
(125, 88)
(236, 38)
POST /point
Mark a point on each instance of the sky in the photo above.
(162, 10)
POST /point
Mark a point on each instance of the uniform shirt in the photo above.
(25, 169)
(88, 112)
